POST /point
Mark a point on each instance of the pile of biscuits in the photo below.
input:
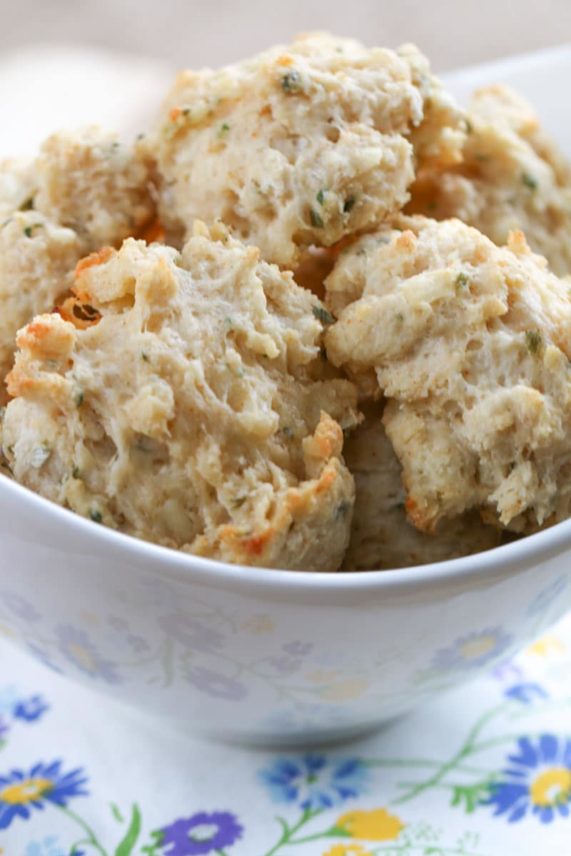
(317, 318)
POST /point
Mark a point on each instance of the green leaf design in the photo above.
(469, 797)
(116, 812)
(125, 847)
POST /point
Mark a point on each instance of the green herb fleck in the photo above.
(76, 473)
(28, 205)
(223, 131)
(534, 341)
(399, 317)
(287, 432)
(95, 515)
(78, 398)
(469, 126)
(529, 181)
(349, 204)
(239, 501)
(316, 219)
(29, 230)
(342, 509)
(462, 280)
(291, 82)
(321, 196)
(145, 356)
(323, 315)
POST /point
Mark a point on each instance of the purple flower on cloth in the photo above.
(200, 834)
(77, 647)
(20, 606)
(44, 783)
(507, 671)
(30, 709)
(526, 693)
(473, 651)
(191, 632)
(4, 729)
(537, 780)
(215, 684)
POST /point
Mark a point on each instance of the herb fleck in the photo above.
(28, 205)
(323, 315)
(469, 126)
(223, 131)
(321, 196)
(349, 204)
(145, 356)
(29, 230)
(342, 509)
(529, 181)
(78, 398)
(287, 432)
(76, 473)
(291, 82)
(239, 501)
(462, 280)
(534, 341)
(95, 515)
(316, 219)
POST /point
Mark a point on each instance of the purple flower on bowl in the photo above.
(20, 606)
(537, 780)
(285, 665)
(191, 632)
(215, 684)
(200, 834)
(473, 650)
(547, 596)
(4, 729)
(298, 649)
(30, 709)
(77, 647)
(42, 657)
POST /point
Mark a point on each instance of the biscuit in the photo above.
(300, 145)
(470, 344)
(187, 402)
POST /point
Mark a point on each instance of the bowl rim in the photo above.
(545, 544)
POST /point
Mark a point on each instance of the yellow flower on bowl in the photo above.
(348, 850)
(345, 690)
(374, 825)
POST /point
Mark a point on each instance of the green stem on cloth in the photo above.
(467, 748)
(289, 831)
(91, 838)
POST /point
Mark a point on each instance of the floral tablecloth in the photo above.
(483, 771)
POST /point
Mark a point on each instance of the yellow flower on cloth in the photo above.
(348, 850)
(374, 825)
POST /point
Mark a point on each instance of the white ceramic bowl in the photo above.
(264, 656)
(276, 656)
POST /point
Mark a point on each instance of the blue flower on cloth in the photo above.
(30, 709)
(200, 834)
(48, 846)
(78, 648)
(538, 779)
(44, 783)
(314, 782)
(473, 651)
(526, 693)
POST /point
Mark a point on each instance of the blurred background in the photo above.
(68, 62)
(198, 32)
